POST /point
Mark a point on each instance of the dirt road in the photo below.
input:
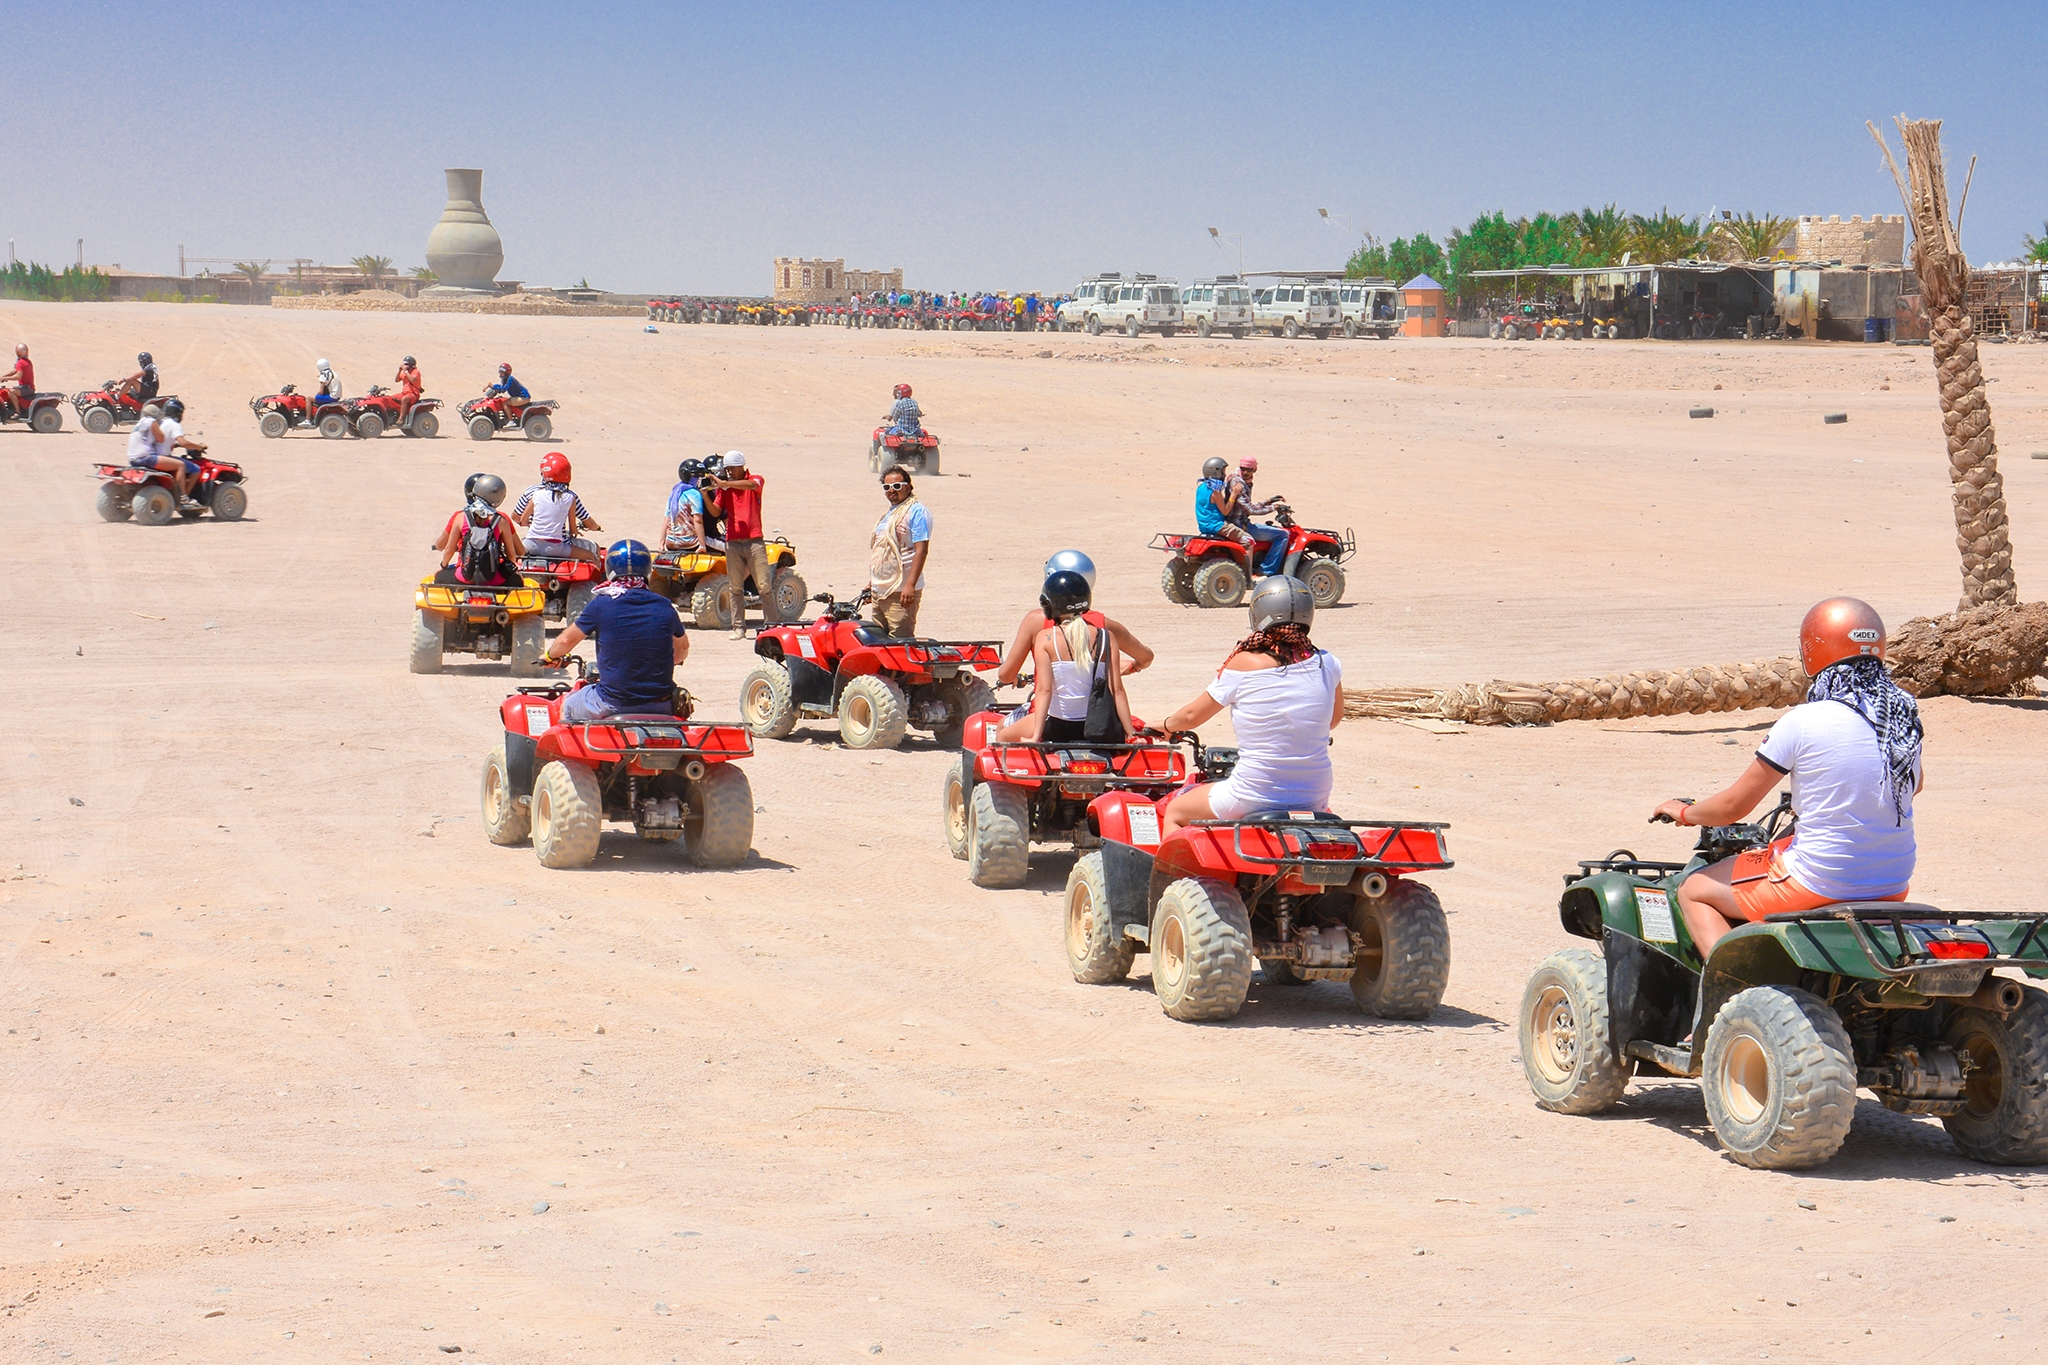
(300, 1068)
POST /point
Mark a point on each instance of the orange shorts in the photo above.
(1764, 886)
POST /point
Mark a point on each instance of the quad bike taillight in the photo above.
(1953, 950)
(1332, 850)
(1088, 767)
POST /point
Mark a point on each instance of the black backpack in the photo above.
(482, 560)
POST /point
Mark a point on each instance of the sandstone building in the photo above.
(1877, 240)
(814, 279)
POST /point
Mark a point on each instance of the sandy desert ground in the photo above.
(300, 1068)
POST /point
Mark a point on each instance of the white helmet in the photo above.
(1071, 561)
(320, 364)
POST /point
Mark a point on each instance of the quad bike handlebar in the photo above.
(847, 610)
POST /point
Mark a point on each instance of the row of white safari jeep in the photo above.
(1290, 307)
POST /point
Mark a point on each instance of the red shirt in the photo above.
(25, 375)
(409, 381)
(741, 508)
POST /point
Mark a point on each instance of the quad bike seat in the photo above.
(1289, 817)
(869, 634)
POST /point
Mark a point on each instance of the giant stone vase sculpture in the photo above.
(464, 250)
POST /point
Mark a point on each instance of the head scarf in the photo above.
(612, 587)
(1862, 685)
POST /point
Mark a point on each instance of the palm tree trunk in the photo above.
(1981, 530)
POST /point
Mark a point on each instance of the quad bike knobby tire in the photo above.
(529, 642)
(153, 505)
(998, 836)
(506, 821)
(1779, 1077)
(577, 598)
(1219, 583)
(273, 424)
(99, 421)
(1567, 1035)
(874, 457)
(720, 827)
(873, 713)
(48, 420)
(537, 426)
(953, 804)
(482, 428)
(1201, 947)
(334, 426)
(112, 503)
(1177, 581)
(963, 697)
(426, 643)
(1278, 971)
(711, 602)
(1401, 970)
(2005, 1114)
(230, 501)
(1097, 953)
(791, 592)
(370, 426)
(768, 702)
(566, 812)
(424, 425)
(1324, 578)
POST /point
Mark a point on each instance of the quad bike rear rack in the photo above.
(1103, 780)
(1911, 955)
(975, 654)
(1296, 836)
(639, 728)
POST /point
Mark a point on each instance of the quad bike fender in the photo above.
(974, 735)
(1132, 886)
(863, 660)
(810, 685)
(1110, 818)
(1614, 900)
(1650, 994)
(520, 753)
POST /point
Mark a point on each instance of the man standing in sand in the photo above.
(896, 555)
(739, 505)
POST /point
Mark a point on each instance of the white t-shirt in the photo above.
(141, 441)
(1850, 843)
(168, 431)
(551, 504)
(1282, 720)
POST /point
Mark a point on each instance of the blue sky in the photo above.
(655, 147)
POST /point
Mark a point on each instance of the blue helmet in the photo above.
(627, 559)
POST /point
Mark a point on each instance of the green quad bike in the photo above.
(1794, 1014)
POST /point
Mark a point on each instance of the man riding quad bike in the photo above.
(119, 402)
(507, 405)
(1829, 979)
(902, 439)
(877, 686)
(381, 410)
(287, 409)
(1213, 566)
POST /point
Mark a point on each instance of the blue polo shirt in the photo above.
(636, 655)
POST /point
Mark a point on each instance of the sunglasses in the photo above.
(893, 487)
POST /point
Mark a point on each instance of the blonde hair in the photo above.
(1080, 638)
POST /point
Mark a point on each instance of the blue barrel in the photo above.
(1873, 329)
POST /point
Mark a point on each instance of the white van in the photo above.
(1088, 299)
(1223, 304)
(1143, 303)
(1294, 306)
(1369, 307)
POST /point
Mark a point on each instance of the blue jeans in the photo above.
(1272, 542)
(585, 704)
(901, 430)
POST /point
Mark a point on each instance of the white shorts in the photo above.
(1227, 803)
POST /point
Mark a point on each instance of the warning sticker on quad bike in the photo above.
(1144, 824)
(1655, 909)
(803, 642)
(536, 721)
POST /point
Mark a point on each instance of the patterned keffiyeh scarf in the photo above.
(1862, 685)
(613, 587)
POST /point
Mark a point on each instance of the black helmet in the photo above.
(1064, 594)
(1281, 600)
(1215, 467)
(174, 409)
(488, 487)
(407, 361)
(142, 359)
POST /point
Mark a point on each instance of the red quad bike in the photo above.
(280, 412)
(1304, 895)
(1205, 572)
(918, 453)
(669, 776)
(377, 412)
(44, 414)
(102, 409)
(567, 585)
(1000, 796)
(876, 685)
(149, 496)
(490, 414)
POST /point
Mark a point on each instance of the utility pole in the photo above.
(181, 258)
(1238, 238)
(81, 253)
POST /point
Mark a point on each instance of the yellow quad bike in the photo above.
(695, 581)
(489, 622)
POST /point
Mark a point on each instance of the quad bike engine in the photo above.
(659, 813)
(1329, 946)
(1919, 1078)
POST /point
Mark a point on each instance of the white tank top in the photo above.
(1071, 682)
(551, 513)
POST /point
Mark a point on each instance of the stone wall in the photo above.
(868, 281)
(810, 279)
(1877, 240)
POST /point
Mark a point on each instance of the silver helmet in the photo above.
(489, 487)
(1215, 467)
(1281, 600)
(1071, 561)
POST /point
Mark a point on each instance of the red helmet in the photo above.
(1837, 629)
(505, 367)
(554, 467)
(903, 390)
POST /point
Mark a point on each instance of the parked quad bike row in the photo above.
(760, 312)
(278, 414)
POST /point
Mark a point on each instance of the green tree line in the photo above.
(1589, 237)
(24, 280)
